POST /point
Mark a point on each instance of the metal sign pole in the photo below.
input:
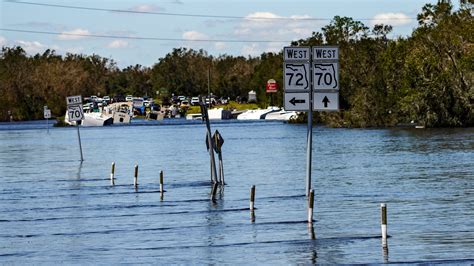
(309, 152)
(47, 125)
(309, 145)
(80, 145)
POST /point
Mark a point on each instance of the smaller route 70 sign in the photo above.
(75, 112)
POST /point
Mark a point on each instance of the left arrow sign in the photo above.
(297, 101)
(294, 101)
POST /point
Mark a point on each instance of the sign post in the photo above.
(311, 83)
(272, 87)
(75, 113)
(47, 115)
(297, 84)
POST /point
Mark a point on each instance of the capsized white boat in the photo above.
(92, 119)
(219, 114)
(281, 115)
(257, 113)
(121, 112)
(96, 120)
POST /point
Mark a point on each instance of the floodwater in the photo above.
(53, 209)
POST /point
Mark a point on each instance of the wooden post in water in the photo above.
(310, 207)
(252, 198)
(218, 142)
(112, 175)
(205, 116)
(135, 178)
(214, 191)
(161, 185)
(312, 235)
(383, 209)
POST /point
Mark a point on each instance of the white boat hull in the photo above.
(281, 115)
(257, 113)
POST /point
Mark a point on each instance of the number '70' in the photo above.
(74, 113)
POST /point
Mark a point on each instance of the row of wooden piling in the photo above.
(135, 178)
(383, 206)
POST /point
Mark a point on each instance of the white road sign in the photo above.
(74, 100)
(325, 53)
(326, 76)
(296, 77)
(75, 112)
(47, 113)
(297, 101)
(296, 54)
(326, 101)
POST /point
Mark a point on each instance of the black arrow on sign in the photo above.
(326, 101)
(294, 101)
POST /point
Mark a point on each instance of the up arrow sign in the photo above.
(326, 101)
(294, 101)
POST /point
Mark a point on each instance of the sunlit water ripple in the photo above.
(56, 210)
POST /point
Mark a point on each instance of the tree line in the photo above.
(426, 77)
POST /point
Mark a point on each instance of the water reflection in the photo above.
(385, 253)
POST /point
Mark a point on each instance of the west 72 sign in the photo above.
(297, 77)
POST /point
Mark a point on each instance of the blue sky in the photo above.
(75, 25)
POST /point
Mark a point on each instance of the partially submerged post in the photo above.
(310, 206)
(112, 174)
(135, 178)
(161, 181)
(252, 198)
(383, 210)
(210, 146)
(218, 142)
(214, 191)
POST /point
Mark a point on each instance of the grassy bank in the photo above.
(231, 106)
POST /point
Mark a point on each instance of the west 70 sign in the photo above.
(326, 76)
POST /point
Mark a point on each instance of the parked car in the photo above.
(210, 101)
(155, 107)
(224, 100)
(195, 101)
(106, 98)
(184, 104)
(119, 98)
(138, 106)
(87, 107)
(129, 98)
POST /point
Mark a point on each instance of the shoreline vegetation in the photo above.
(424, 79)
